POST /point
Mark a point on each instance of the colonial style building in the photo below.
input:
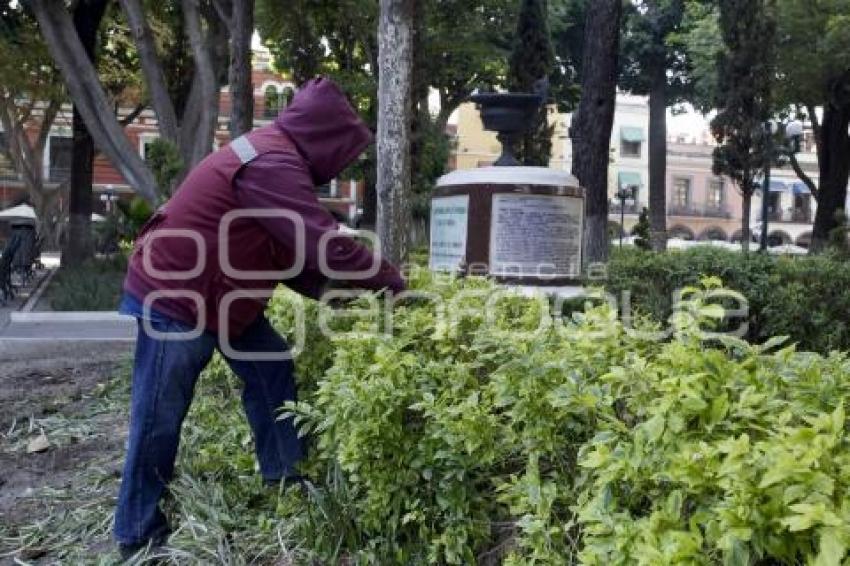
(700, 205)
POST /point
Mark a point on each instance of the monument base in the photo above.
(519, 225)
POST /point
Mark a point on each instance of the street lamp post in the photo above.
(769, 131)
(624, 193)
(108, 197)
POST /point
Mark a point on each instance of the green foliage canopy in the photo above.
(745, 81)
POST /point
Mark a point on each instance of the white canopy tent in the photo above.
(23, 213)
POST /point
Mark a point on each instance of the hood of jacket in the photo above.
(325, 128)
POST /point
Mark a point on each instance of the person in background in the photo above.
(199, 279)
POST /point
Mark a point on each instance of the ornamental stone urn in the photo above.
(518, 225)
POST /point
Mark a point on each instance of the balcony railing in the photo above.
(705, 211)
(795, 215)
(8, 173)
(59, 174)
(54, 174)
(630, 208)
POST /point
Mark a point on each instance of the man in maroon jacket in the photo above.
(203, 268)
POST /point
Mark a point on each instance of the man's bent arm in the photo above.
(281, 181)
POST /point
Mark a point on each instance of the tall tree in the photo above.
(78, 244)
(592, 122)
(395, 62)
(186, 108)
(814, 61)
(653, 65)
(532, 59)
(702, 43)
(82, 81)
(30, 97)
(746, 71)
(566, 19)
(466, 46)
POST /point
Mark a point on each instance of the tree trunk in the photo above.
(44, 203)
(593, 120)
(369, 218)
(395, 36)
(747, 206)
(88, 96)
(241, 89)
(658, 159)
(834, 168)
(78, 244)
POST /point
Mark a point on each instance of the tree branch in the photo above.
(803, 176)
(208, 116)
(224, 14)
(813, 118)
(88, 95)
(46, 123)
(152, 69)
(13, 147)
(131, 117)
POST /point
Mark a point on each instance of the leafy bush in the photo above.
(497, 440)
(92, 286)
(804, 298)
(642, 230)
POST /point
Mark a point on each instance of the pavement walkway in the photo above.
(65, 334)
(30, 336)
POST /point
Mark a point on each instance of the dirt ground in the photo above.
(76, 400)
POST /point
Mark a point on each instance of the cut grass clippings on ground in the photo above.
(220, 511)
(69, 516)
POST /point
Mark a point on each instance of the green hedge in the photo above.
(486, 441)
(804, 298)
(93, 286)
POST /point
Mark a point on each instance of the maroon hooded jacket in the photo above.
(230, 227)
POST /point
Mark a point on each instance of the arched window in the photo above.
(271, 102)
(713, 233)
(681, 232)
(288, 94)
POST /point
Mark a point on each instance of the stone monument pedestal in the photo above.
(518, 225)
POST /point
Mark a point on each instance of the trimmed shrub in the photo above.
(493, 439)
(804, 298)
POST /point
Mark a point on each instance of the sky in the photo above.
(690, 124)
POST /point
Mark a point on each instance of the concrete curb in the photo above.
(70, 316)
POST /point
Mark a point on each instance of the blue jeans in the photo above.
(164, 376)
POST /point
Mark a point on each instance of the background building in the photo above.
(700, 204)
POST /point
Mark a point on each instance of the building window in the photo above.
(630, 149)
(7, 170)
(144, 146)
(60, 158)
(715, 194)
(802, 211)
(271, 102)
(631, 142)
(681, 192)
(288, 95)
